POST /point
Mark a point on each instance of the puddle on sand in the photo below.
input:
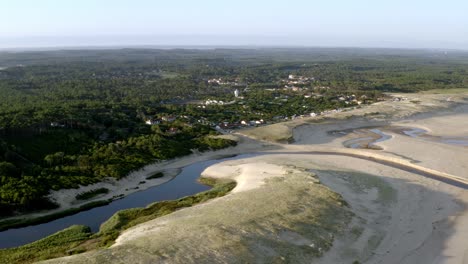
(366, 137)
(362, 138)
(423, 134)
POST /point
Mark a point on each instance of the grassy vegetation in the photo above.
(446, 91)
(78, 239)
(274, 133)
(125, 219)
(92, 193)
(155, 176)
(56, 245)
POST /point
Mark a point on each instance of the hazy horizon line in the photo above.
(211, 46)
(49, 42)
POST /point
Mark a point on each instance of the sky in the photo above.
(335, 23)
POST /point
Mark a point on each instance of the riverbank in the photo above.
(80, 238)
(134, 182)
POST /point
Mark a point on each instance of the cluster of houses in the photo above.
(214, 102)
(295, 82)
(223, 126)
(296, 79)
(220, 102)
(312, 114)
(220, 81)
(399, 99)
(57, 124)
(155, 121)
(351, 99)
(242, 123)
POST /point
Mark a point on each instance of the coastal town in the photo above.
(295, 97)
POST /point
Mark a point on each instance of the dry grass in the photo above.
(280, 133)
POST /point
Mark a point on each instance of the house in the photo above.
(215, 102)
(57, 124)
(168, 118)
(173, 130)
(152, 122)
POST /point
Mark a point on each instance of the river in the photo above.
(184, 184)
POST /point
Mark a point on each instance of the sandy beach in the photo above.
(383, 213)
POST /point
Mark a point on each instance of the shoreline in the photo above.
(25, 222)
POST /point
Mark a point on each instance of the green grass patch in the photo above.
(446, 91)
(91, 194)
(57, 245)
(127, 218)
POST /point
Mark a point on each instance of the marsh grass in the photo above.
(125, 219)
(59, 244)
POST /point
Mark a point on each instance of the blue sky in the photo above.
(366, 23)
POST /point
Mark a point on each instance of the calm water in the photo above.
(414, 132)
(422, 134)
(407, 131)
(183, 185)
(368, 141)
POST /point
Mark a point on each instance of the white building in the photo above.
(236, 93)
